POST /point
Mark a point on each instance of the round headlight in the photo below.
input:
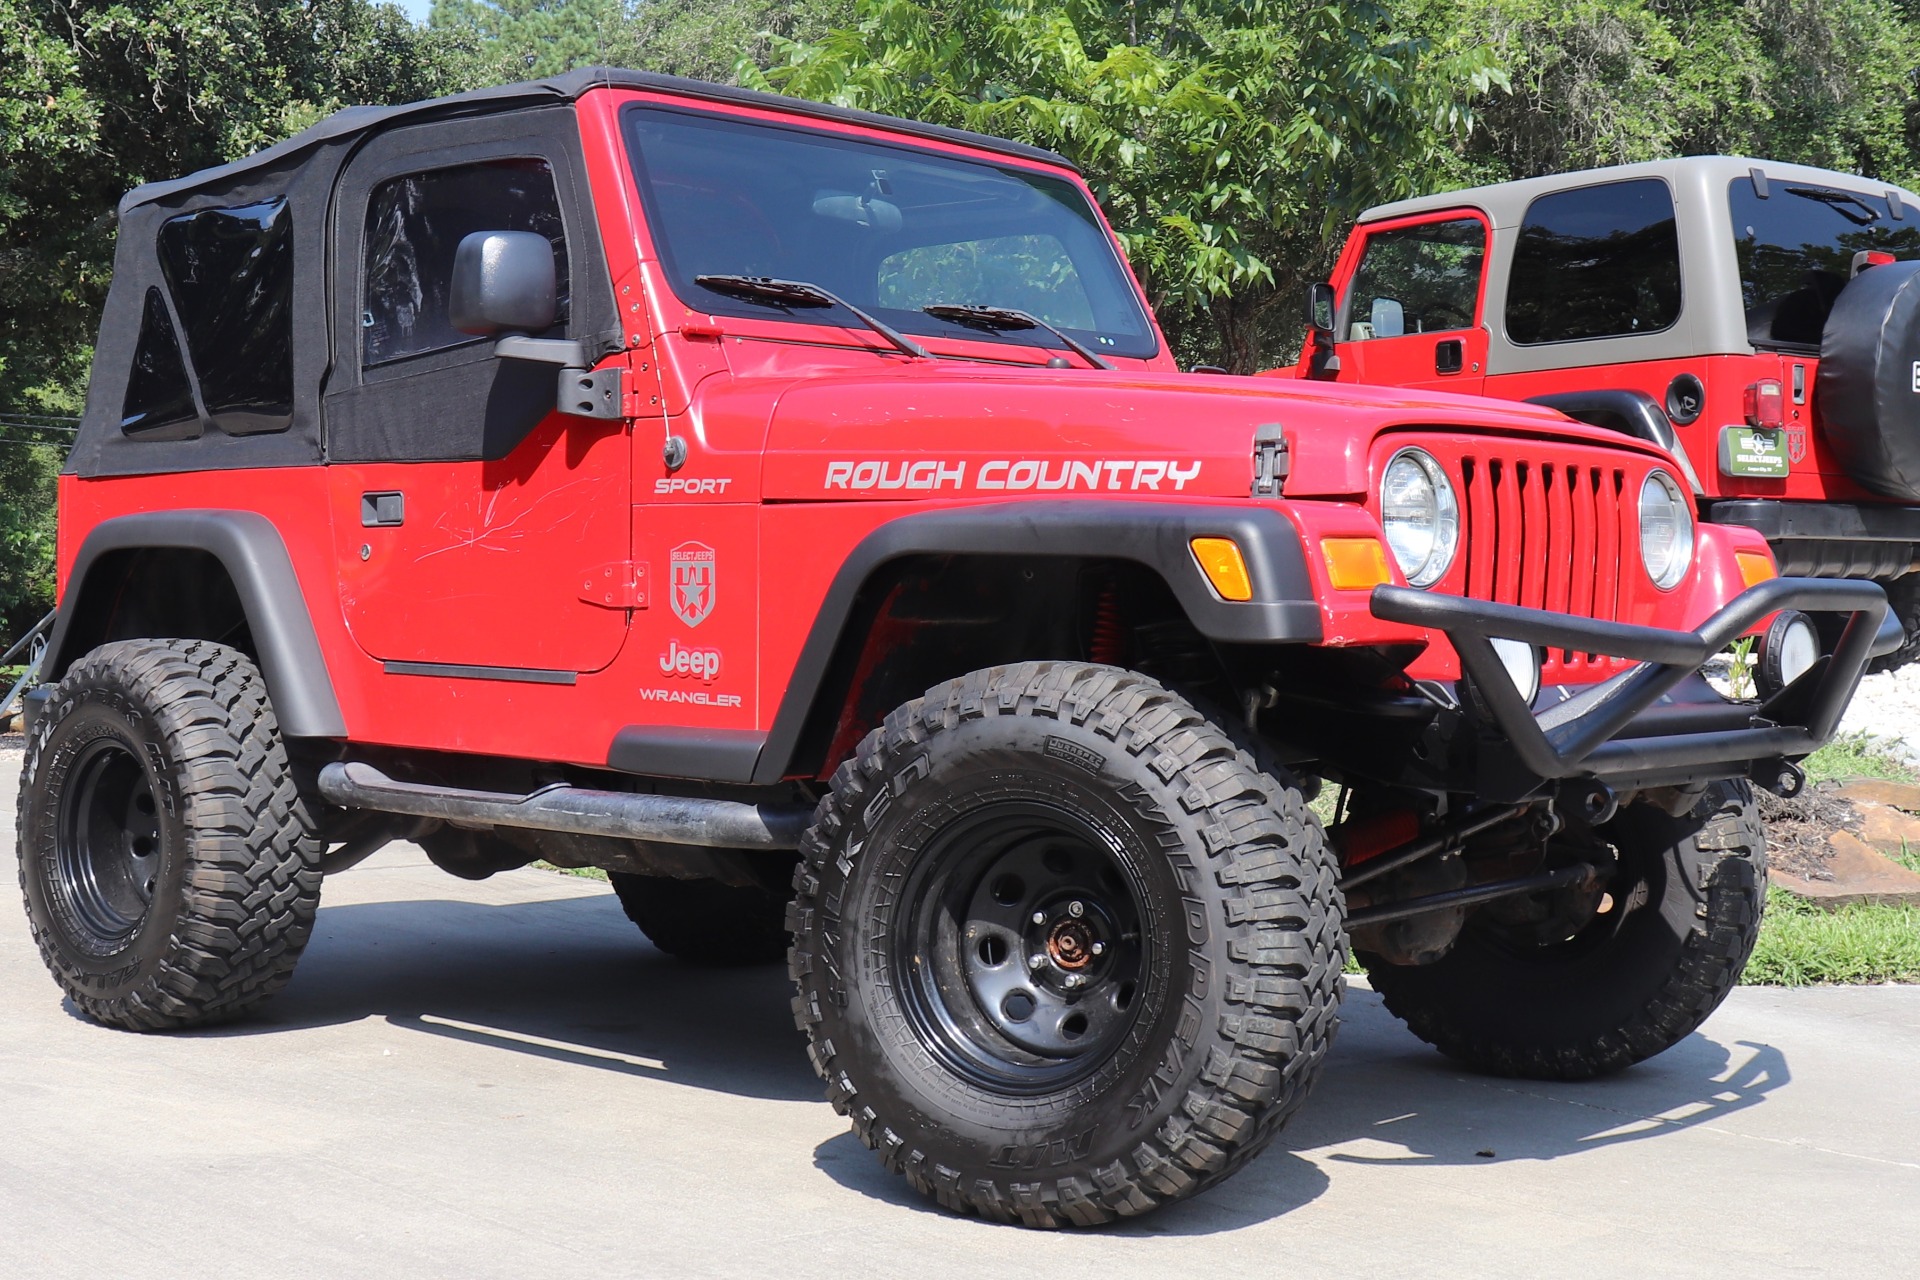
(1420, 516)
(1666, 530)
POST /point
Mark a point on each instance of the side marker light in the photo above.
(1225, 567)
(1355, 564)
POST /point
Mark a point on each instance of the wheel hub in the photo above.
(1042, 976)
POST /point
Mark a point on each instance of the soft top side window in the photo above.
(1419, 279)
(229, 275)
(1597, 262)
(416, 221)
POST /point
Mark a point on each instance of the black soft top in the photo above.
(352, 121)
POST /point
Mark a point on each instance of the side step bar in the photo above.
(721, 824)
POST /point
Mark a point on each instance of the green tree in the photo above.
(97, 97)
(1229, 140)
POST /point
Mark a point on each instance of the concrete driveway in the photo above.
(503, 1079)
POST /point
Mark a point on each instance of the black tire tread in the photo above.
(1715, 951)
(704, 921)
(1286, 984)
(251, 884)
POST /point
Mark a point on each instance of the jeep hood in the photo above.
(951, 430)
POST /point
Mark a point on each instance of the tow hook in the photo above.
(1782, 777)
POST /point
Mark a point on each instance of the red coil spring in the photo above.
(1108, 638)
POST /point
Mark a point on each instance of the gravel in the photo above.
(1886, 708)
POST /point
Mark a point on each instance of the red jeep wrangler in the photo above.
(1719, 307)
(796, 513)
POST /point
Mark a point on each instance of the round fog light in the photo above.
(1789, 647)
(1522, 662)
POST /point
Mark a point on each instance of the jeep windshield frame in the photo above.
(1795, 248)
(889, 226)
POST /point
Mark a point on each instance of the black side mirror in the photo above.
(503, 282)
(1321, 305)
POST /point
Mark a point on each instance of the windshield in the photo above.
(1796, 252)
(891, 229)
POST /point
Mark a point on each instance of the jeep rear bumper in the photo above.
(1640, 728)
(1830, 539)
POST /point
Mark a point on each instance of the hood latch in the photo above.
(1269, 460)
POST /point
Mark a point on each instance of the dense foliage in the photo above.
(1230, 140)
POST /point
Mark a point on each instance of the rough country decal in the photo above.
(703, 664)
(1011, 474)
(691, 584)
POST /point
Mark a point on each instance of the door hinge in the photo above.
(591, 393)
(620, 585)
(1269, 460)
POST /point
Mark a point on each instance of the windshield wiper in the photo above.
(1835, 200)
(1008, 320)
(798, 293)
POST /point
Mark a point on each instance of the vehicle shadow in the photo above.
(571, 980)
(1384, 1098)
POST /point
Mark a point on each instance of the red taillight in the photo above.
(1766, 404)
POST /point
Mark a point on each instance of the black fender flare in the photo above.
(255, 557)
(1631, 413)
(1283, 610)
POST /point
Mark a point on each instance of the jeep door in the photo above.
(1411, 300)
(469, 517)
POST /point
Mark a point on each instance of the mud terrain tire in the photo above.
(1622, 990)
(958, 875)
(704, 921)
(168, 862)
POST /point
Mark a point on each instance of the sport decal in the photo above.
(690, 585)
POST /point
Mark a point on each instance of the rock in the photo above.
(1888, 829)
(1900, 795)
(1859, 875)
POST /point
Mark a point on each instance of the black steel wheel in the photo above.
(1030, 931)
(1062, 951)
(106, 847)
(1673, 929)
(168, 863)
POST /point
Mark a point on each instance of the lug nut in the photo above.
(1034, 962)
(1074, 980)
(1099, 948)
(1076, 910)
(1039, 917)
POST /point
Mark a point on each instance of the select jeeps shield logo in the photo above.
(690, 587)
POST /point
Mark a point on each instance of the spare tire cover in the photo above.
(1867, 392)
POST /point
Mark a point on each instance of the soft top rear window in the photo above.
(889, 228)
(1796, 249)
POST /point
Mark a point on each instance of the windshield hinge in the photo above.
(620, 585)
(1269, 460)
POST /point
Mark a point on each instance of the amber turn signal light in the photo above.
(1755, 566)
(1355, 564)
(1225, 567)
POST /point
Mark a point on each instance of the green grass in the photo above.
(1803, 945)
(1855, 755)
(585, 873)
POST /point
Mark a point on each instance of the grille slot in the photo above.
(1546, 535)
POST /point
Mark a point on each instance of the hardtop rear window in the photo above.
(1796, 248)
(1596, 262)
(890, 228)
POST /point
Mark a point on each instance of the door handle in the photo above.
(1448, 356)
(382, 510)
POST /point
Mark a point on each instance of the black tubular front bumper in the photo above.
(1614, 731)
